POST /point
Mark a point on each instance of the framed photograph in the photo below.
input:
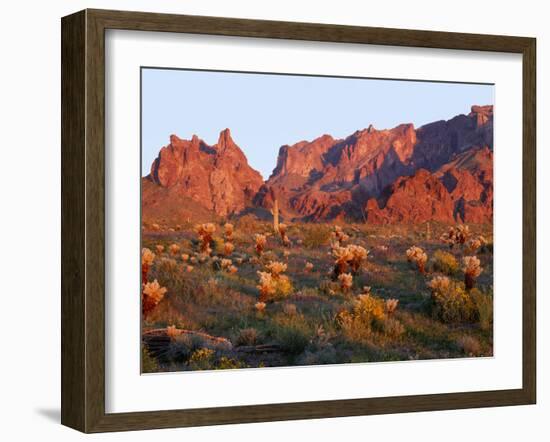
(266, 221)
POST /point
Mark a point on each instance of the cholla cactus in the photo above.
(284, 237)
(456, 235)
(359, 254)
(346, 281)
(225, 264)
(232, 269)
(472, 269)
(341, 255)
(266, 286)
(228, 248)
(276, 268)
(228, 231)
(151, 295)
(338, 235)
(308, 267)
(159, 248)
(189, 269)
(147, 258)
(439, 283)
(391, 306)
(418, 256)
(260, 307)
(184, 257)
(174, 249)
(472, 245)
(261, 241)
(205, 232)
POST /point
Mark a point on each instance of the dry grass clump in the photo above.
(260, 242)
(445, 262)
(469, 345)
(247, 336)
(417, 256)
(472, 269)
(205, 233)
(451, 303)
(456, 235)
(151, 295)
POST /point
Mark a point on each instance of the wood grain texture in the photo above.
(83, 219)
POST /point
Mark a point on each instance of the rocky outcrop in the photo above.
(460, 191)
(217, 177)
(442, 171)
(329, 178)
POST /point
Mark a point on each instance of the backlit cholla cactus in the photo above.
(260, 307)
(341, 255)
(338, 235)
(159, 248)
(308, 267)
(205, 232)
(284, 237)
(276, 268)
(174, 249)
(472, 245)
(228, 248)
(358, 255)
(151, 295)
(232, 269)
(228, 231)
(261, 241)
(266, 286)
(184, 257)
(439, 284)
(418, 256)
(189, 269)
(147, 258)
(346, 281)
(225, 264)
(456, 235)
(391, 306)
(472, 269)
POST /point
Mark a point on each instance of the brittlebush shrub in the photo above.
(445, 262)
(367, 317)
(451, 303)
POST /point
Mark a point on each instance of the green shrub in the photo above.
(292, 334)
(316, 235)
(225, 363)
(148, 363)
(445, 262)
(484, 306)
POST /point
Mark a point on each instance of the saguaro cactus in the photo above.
(275, 211)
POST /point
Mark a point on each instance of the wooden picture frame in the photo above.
(83, 219)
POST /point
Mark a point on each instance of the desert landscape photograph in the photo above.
(297, 220)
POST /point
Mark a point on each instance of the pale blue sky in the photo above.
(266, 111)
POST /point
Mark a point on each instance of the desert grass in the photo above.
(341, 294)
